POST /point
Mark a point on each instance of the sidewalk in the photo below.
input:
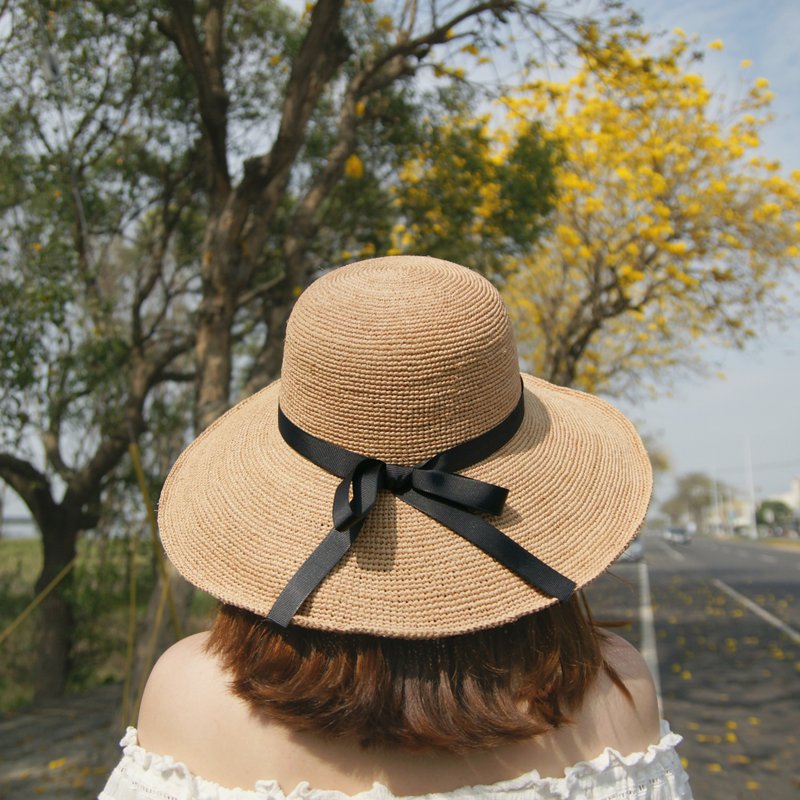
(62, 750)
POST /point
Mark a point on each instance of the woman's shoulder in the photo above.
(625, 711)
(179, 669)
(186, 688)
(619, 648)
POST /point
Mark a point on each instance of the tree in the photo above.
(774, 512)
(693, 497)
(264, 211)
(659, 457)
(172, 177)
(461, 199)
(696, 496)
(95, 205)
(669, 231)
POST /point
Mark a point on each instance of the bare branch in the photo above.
(260, 290)
(323, 50)
(28, 482)
(205, 66)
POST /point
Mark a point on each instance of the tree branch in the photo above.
(323, 50)
(29, 483)
(205, 65)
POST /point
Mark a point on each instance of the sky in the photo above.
(708, 425)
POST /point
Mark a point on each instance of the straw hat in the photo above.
(400, 359)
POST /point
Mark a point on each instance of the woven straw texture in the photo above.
(398, 359)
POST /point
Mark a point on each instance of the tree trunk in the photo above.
(213, 356)
(267, 364)
(56, 616)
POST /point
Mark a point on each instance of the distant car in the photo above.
(634, 552)
(678, 535)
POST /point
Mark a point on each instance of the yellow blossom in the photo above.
(657, 196)
(354, 167)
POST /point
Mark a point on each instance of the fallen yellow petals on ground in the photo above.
(731, 725)
(57, 763)
(751, 784)
(738, 758)
(714, 767)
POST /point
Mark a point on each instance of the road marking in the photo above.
(756, 609)
(674, 553)
(649, 652)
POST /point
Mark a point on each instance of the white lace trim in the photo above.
(655, 773)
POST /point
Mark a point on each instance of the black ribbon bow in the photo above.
(431, 487)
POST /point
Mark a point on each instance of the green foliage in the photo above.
(464, 197)
(20, 562)
(774, 512)
(100, 595)
(527, 187)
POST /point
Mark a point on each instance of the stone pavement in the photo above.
(62, 750)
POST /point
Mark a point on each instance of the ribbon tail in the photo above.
(328, 553)
(495, 543)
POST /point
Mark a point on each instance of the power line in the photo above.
(771, 465)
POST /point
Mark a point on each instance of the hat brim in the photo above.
(241, 511)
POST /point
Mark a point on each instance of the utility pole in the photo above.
(751, 489)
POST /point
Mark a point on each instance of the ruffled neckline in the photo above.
(581, 772)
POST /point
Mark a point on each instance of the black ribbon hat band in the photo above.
(431, 487)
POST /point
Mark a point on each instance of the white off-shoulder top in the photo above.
(656, 774)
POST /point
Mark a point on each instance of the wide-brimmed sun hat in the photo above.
(365, 491)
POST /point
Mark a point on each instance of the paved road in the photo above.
(726, 635)
(63, 750)
(722, 627)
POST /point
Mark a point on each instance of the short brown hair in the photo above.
(456, 693)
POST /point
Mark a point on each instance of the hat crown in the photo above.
(399, 358)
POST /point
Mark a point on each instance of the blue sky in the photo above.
(705, 424)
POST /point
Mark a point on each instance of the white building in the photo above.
(792, 497)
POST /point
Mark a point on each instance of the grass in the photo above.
(100, 590)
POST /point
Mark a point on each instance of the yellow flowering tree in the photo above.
(465, 196)
(670, 230)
